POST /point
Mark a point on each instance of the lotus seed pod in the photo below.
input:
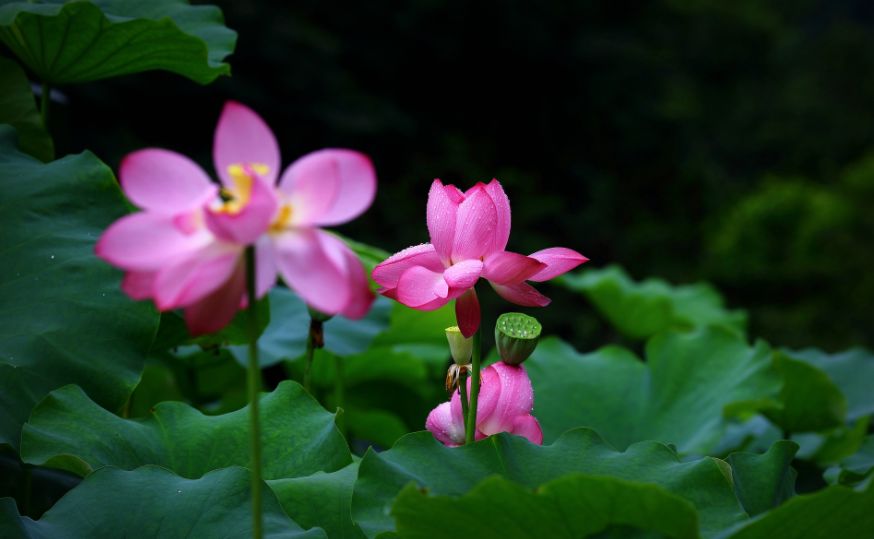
(460, 347)
(516, 336)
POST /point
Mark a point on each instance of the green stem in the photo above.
(44, 105)
(340, 393)
(315, 339)
(254, 388)
(462, 390)
(470, 427)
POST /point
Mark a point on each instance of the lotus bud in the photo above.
(460, 346)
(516, 336)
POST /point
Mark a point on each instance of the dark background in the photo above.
(728, 141)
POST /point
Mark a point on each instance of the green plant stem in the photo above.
(462, 390)
(315, 339)
(340, 393)
(470, 427)
(254, 389)
(44, 105)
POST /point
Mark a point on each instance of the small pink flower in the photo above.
(505, 402)
(185, 249)
(469, 232)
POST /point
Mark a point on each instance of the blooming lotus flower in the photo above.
(469, 232)
(505, 402)
(185, 248)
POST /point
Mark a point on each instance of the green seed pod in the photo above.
(516, 336)
(460, 347)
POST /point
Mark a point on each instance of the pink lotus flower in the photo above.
(505, 403)
(469, 233)
(185, 249)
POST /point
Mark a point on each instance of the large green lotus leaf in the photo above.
(285, 337)
(678, 396)
(764, 481)
(68, 431)
(835, 445)
(570, 507)
(852, 371)
(855, 467)
(705, 482)
(65, 41)
(808, 399)
(833, 512)
(642, 309)
(394, 363)
(63, 318)
(321, 499)
(389, 390)
(157, 384)
(153, 502)
(18, 108)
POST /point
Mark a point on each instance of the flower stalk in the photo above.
(462, 391)
(470, 426)
(340, 393)
(315, 339)
(254, 388)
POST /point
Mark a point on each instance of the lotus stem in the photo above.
(254, 389)
(470, 426)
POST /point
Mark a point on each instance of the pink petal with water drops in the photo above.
(504, 267)
(557, 260)
(467, 313)
(216, 310)
(475, 226)
(463, 274)
(387, 272)
(308, 269)
(440, 215)
(146, 241)
(521, 294)
(248, 223)
(527, 427)
(420, 286)
(502, 207)
(447, 428)
(512, 393)
(242, 138)
(165, 182)
(329, 187)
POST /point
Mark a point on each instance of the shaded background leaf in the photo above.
(64, 318)
(18, 108)
(65, 42)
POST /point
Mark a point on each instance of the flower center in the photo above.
(234, 197)
(283, 217)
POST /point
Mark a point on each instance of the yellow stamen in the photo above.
(236, 196)
(282, 218)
